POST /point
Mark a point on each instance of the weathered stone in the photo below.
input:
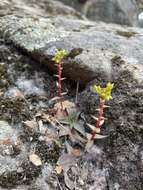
(5, 131)
(43, 8)
(99, 43)
(116, 11)
(16, 143)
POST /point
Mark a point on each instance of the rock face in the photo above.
(97, 44)
(30, 34)
(116, 11)
(43, 9)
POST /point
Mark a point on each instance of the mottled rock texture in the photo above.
(30, 33)
(91, 45)
(116, 11)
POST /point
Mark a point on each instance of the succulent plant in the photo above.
(105, 95)
(58, 58)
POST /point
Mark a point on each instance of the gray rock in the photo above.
(5, 130)
(114, 11)
(9, 145)
(16, 141)
(43, 8)
(91, 45)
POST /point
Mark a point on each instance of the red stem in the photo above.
(100, 117)
(60, 83)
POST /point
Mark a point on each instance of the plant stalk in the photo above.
(60, 83)
(77, 90)
(100, 117)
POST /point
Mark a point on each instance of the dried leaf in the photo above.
(50, 119)
(66, 105)
(64, 131)
(89, 136)
(58, 169)
(66, 161)
(35, 159)
(7, 142)
(48, 140)
(1, 93)
(54, 99)
(39, 114)
(76, 152)
(62, 115)
(51, 134)
(19, 94)
(89, 145)
(31, 124)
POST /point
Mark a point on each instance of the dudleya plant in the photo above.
(58, 58)
(77, 132)
(105, 95)
(73, 119)
(68, 113)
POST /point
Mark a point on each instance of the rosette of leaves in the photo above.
(74, 123)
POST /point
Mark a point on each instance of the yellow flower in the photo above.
(59, 56)
(104, 93)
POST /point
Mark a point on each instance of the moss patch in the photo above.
(117, 61)
(11, 179)
(4, 81)
(126, 34)
(13, 110)
(48, 153)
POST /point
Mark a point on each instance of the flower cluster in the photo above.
(59, 56)
(104, 93)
